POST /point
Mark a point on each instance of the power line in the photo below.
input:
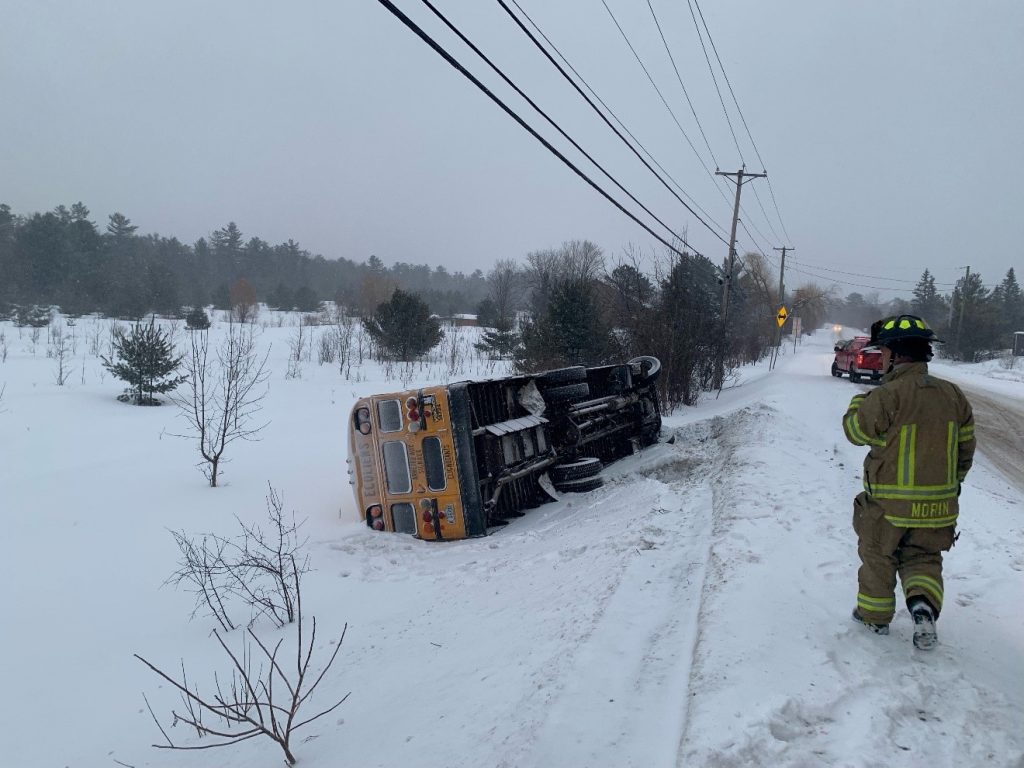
(593, 106)
(742, 118)
(609, 110)
(545, 115)
(657, 89)
(714, 79)
(858, 274)
(679, 77)
(416, 29)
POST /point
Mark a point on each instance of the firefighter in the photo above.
(920, 430)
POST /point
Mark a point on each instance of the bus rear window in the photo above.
(433, 463)
(405, 518)
(389, 414)
(396, 467)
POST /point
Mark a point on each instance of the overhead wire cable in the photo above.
(444, 19)
(593, 106)
(721, 100)
(859, 274)
(714, 79)
(742, 117)
(835, 281)
(679, 77)
(419, 32)
(656, 88)
(610, 111)
(714, 179)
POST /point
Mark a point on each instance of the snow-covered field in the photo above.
(694, 611)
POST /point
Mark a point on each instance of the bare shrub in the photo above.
(61, 352)
(261, 569)
(255, 700)
(202, 572)
(327, 351)
(3, 347)
(296, 346)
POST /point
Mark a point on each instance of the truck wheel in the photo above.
(570, 393)
(560, 376)
(836, 372)
(854, 377)
(580, 486)
(575, 470)
(648, 367)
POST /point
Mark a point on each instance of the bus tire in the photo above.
(560, 376)
(570, 393)
(575, 470)
(648, 368)
(580, 486)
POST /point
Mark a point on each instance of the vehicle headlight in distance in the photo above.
(837, 328)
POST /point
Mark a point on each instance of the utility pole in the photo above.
(782, 273)
(963, 301)
(741, 178)
(782, 299)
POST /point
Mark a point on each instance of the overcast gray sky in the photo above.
(891, 131)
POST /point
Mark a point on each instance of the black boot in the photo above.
(925, 636)
(878, 629)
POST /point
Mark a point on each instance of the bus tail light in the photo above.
(375, 517)
(363, 421)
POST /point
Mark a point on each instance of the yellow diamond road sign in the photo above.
(781, 317)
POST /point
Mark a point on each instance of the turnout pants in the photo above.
(885, 551)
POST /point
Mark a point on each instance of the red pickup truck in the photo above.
(857, 359)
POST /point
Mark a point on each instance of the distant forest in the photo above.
(63, 258)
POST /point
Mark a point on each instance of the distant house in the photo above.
(457, 321)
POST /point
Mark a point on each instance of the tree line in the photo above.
(63, 258)
(974, 321)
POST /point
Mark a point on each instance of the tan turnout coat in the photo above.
(921, 433)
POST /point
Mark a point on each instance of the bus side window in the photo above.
(396, 467)
(389, 414)
(433, 463)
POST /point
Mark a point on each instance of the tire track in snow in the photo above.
(635, 657)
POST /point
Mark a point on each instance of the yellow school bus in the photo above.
(453, 461)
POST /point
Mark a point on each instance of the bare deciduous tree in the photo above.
(223, 394)
(256, 700)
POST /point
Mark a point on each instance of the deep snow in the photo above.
(694, 611)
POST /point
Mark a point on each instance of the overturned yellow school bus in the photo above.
(451, 461)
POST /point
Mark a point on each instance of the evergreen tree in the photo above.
(927, 303)
(120, 226)
(1008, 301)
(305, 300)
(403, 327)
(281, 298)
(499, 343)
(197, 319)
(146, 361)
(570, 330)
(975, 327)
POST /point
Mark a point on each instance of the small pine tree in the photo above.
(197, 319)
(403, 327)
(499, 343)
(146, 361)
